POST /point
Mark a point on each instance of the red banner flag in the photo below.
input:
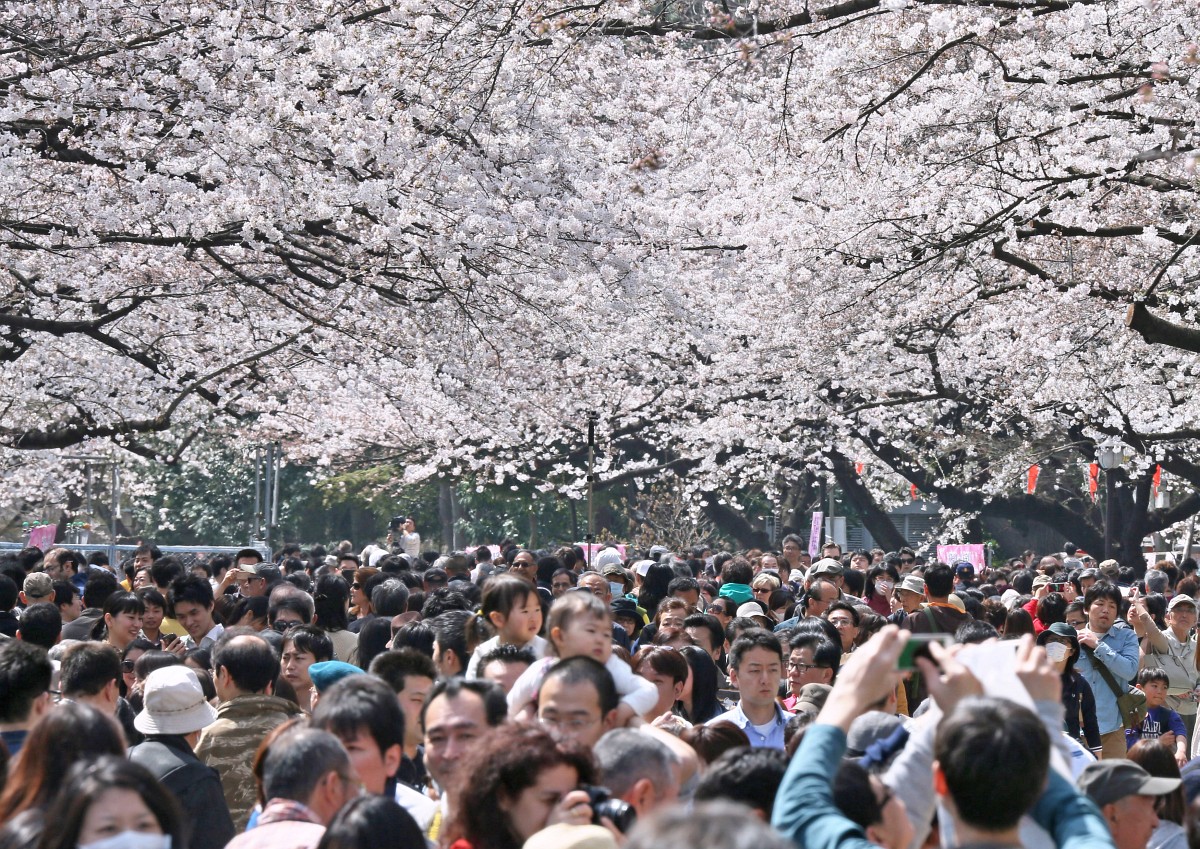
(1093, 479)
(858, 468)
(1157, 479)
(912, 491)
(1033, 476)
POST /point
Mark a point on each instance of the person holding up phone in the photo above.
(1172, 649)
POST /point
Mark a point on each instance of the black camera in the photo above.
(397, 523)
(621, 814)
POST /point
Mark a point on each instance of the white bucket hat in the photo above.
(173, 703)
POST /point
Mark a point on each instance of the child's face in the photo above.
(523, 621)
(1156, 693)
(589, 636)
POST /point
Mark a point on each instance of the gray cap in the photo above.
(825, 566)
(1112, 780)
(870, 728)
(38, 585)
(913, 584)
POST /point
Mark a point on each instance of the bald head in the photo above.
(244, 663)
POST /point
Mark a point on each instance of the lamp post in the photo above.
(1109, 455)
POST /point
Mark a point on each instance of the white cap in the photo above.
(173, 703)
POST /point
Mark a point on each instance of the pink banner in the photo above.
(814, 537)
(973, 554)
(42, 536)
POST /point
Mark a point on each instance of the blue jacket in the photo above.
(805, 813)
(1118, 651)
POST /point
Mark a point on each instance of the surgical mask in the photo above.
(1057, 652)
(131, 840)
(617, 590)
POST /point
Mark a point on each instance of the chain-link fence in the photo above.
(188, 554)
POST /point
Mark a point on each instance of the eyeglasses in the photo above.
(285, 626)
(573, 725)
(908, 560)
(804, 667)
(126, 665)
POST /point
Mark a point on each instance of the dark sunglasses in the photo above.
(284, 627)
(126, 665)
(908, 560)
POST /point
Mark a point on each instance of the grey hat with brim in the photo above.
(1110, 781)
(173, 703)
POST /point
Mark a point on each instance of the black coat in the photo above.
(196, 786)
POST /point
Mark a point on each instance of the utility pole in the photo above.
(591, 485)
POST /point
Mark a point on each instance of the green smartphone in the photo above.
(918, 646)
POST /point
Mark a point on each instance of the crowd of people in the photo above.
(501, 698)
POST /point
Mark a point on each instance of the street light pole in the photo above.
(1109, 455)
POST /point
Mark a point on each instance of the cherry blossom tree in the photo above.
(758, 243)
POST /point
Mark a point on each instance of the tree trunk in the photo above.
(734, 524)
(446, 514)
(874, 517)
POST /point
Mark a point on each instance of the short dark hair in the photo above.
(361, 702)
(451, 630)
(1099, 590)
(164, 570)
(311, 639)
(249, 552)
(87, 668)
(826, 653)
(25, 673)
(737, 570)
(495, 703)
(442, 600)
(9, 593)
(148, 548)
(394, 667)
(99, 586)
(64, 592)
(711, 624)
(975, 631)
(191, 588)
(749, 776)
(753, 638)
(390, 598)
(981, 739)
(416, 635)
(845, 607)
(297, 760)
(248, 658)
(854, 796)
(507, 653)
(41, 624)
(372, 821)
(683, 585)
(151, 596)
(939, 579)
(582, 669)
(301, 606)
(1153, 673)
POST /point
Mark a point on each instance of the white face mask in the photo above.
(1057, 652)
(131, 840)
(617, 590)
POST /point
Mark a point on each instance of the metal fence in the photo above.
(188, 554)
